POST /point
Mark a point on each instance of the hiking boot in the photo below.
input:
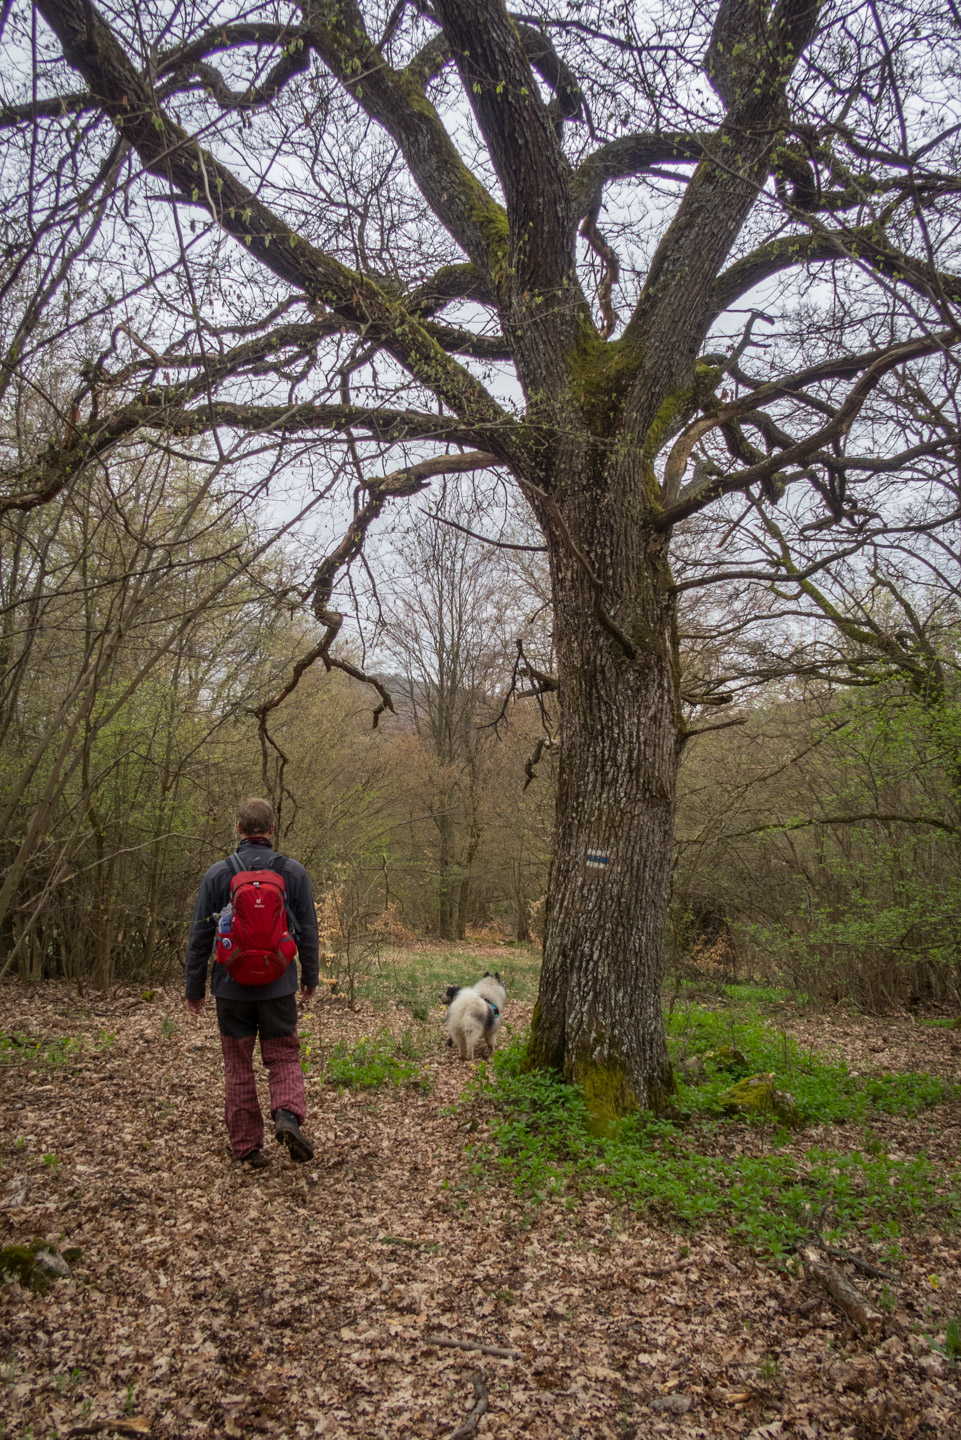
(254, 1159)
(288, 1132)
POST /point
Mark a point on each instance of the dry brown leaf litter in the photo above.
(301, 1301)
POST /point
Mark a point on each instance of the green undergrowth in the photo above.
(694, 1176)
(415, 980)
(764, 994)
(825, 1091)
(34, 1050)
(376, 1060)
(721, 992)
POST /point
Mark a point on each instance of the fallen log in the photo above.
(667, 1269)
(847, 1298)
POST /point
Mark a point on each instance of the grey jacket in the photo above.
(214, 895)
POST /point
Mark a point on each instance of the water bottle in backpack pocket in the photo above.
(225, 924)
(254, 940)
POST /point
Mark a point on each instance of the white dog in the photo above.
(475, 1014)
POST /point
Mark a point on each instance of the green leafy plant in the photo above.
(824, 1091)
(33, 1049)
(542, 1139)
(769, 1370)
(64, 1381)
(952, 1342)
(373, 1062)
(887, 1300)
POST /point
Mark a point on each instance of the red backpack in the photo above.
(254, 943)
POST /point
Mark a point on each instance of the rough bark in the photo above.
(598, 1017)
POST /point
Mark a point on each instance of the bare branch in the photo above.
(167, 150)
(702, 490)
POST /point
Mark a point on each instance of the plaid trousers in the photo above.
(242, 1113)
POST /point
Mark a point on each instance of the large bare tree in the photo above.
(650, 268)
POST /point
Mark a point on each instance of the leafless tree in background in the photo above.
(446, 628)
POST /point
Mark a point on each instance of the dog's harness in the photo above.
(493, 1007)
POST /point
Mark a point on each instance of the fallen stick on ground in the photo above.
(667, 1269)
(469, 1426)
(140, 1426)
(453, 1344)
(864, 1266)
(838, 1286)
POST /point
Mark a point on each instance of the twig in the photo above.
(667, 1269)
(124, 1427)
(863, 1265)
(706, 729)
(453, 1344)
(469, 1426)
(530, 769)
(485, 539)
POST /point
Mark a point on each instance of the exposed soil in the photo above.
(302, 1301)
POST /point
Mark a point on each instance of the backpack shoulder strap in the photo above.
(278, 863)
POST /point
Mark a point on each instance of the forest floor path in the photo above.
(309, 1300)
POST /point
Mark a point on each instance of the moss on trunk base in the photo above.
(607, 1090)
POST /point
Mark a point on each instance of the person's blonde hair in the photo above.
(255, 816)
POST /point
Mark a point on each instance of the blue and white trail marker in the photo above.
(597, 860)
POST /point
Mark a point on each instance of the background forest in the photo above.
(237, 514)
(148, 614)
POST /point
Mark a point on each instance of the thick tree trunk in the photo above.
(598, 1017)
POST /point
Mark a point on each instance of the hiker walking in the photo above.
(255, 912)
